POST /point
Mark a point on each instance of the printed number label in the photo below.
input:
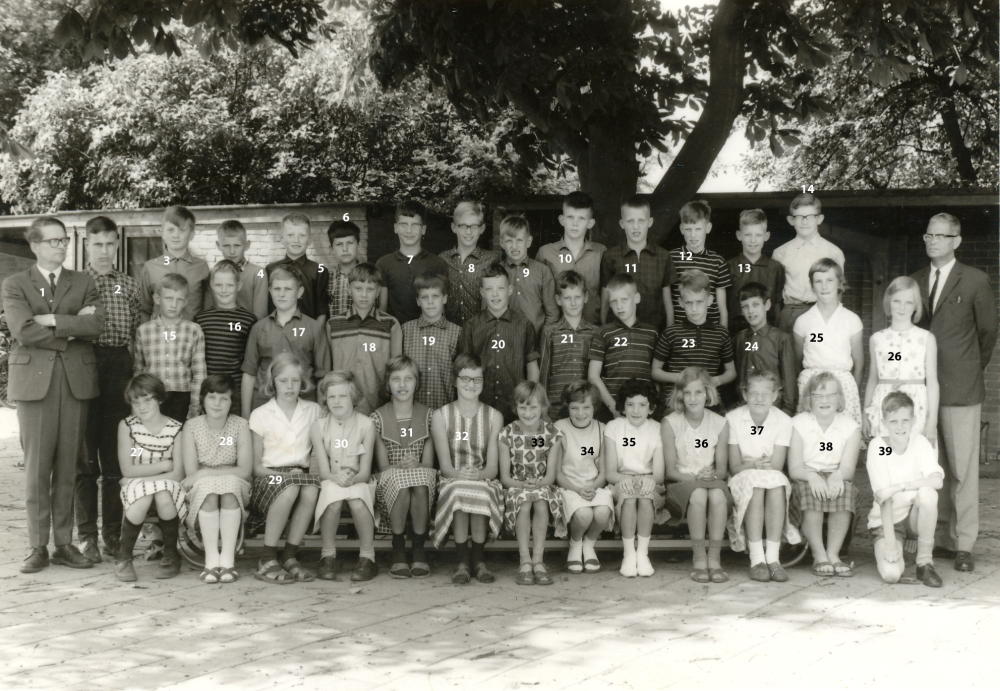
(526, 272)
(461, 436)
(621, 341)
(586, 450)
(810, 189)
(826, 446)
(744, 268)
(686, 256)
(410, 259)
(701, 443)
(567, 338)
(321, 269)
(43, 291)
(169, 335)
(118, 290)
(298, 331)
(260, 274)
(136, 452)
(406, 432)
(274, 479)
(472, 268)
(429, 340)
(566, 258)
(628, 441)
(225, 441)
(687, 343)
(895, 356)
(235, 326)
(166, 260)
(756, 430)
(498, 344)
(630, 268)
(340, 443)
(885, 451)
(815, 338)
(751, 346)
(537, 441)
(369, 347)
(347, 217)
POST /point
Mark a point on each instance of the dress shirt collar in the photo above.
(97, 276)
(563, 323)
(373, 313)
(423, 322)
(45, 272)
(295, 315)
(762, 332)
(588, 246)
(406, 258)
(506, 316)
(945, 271)
(688, 324)
(299, 261)
(187, 256)
(242, 263)
(622, 325)
(626, 249)
(800, 242)
(455, 253)
(509, 263)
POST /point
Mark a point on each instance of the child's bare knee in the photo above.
(211, 503)
(891, 571)
(717, 498)
(927, 496)
(583, 517)
(229, 502)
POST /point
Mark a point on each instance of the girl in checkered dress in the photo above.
(405, 455)
(821, 461)
(530, 451)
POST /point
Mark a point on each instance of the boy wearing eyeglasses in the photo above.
(805, 214)
(398, 296)
(466, 263)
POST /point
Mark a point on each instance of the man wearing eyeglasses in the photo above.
(53, 314)
(962, 314)
(805, 214)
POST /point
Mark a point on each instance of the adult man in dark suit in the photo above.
(962, 314)
(53, 313)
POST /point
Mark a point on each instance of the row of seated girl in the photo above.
(293, 465)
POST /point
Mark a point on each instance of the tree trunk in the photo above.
(725, 98)
(953, 130)
(609, 172)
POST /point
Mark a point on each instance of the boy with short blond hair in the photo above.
(172, 349)
(534, 289)
(565, 345)
(398, 297)
(431, 341)
(177, 230)
(753, 266)
(466, 263)
(797, 256)
(696, 224)
(296, 236)
(345, 239)
(364, 338)
(650, 266)
(574, 252)
(251, 295)
(504, 341)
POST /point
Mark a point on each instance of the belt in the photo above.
(896, 383)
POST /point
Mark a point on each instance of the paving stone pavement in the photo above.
(67, 629)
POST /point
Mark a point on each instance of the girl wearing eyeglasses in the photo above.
(470, 498)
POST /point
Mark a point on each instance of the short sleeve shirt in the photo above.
(919, 461)
(709, 263)
(798, 256)
(433, 346)
(756, 441)
(286, 442)
(564, 356)
(364, 346)
(300, 335)
(827, 344)
(823, 449)
(637, 458)
(695, 446)
(625, 351)
(582, 452)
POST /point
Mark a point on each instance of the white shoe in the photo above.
(629, 567)
(643, 566)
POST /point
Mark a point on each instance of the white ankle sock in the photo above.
(367, 553)
(229, 527)
(642, 549)
(332, 552)
(209, 523)
(629, 546)
(773, 552)
(588, 548)
(756, 552)
(575, 551)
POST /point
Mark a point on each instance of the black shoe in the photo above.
(69, 555)
(365, 570)
(37, 560)
(943, 553)
(110, 550)
(90, 550)
(964, 561)
(327, 568)
(169, 567)
(928, 576)
(124, 571)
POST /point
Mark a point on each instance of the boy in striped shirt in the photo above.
(565, 345)
(693, 341)
(696, 224)
(226, 327)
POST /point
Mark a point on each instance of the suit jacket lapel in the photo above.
(949, 285)
(62, 287)
(42, 287)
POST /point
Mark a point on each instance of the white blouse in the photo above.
(823, 450)
(695, 446)
(286, 442)
(776, 431)
(827, 344)
(634, 445)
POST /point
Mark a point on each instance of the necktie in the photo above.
(934, 289)
(52, 287)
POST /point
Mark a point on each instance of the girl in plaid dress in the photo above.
(405, 455)
(152, 469)
(696, 455)
(218, 458)
(759, 435)
(530, 451)
(465, 438)
(821, 461)
(285, 486)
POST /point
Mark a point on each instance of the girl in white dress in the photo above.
(696, 454)
(828, 338)
(904, 358)
(152, 469)
(759, 436)
(344, 442)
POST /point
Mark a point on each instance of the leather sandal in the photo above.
(271, 572)
(716, 574)
(210, 576)
(575, 566)
(525, 575)
(298, 572)
(420, 569)
(700, 574)
(542, 576)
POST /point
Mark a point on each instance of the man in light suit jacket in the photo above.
(53, 314)
(962, 314)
